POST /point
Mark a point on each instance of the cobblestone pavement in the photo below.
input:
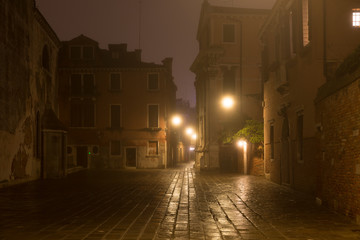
(164, 204)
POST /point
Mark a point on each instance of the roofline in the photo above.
(46, 26)
(213, 9)
(269, 18)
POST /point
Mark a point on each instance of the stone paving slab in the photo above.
(165, 204)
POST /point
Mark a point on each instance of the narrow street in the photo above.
(164, 204)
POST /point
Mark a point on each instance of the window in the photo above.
(82, 84)
(115, 147)
(82, 52)
(153, 81)
(88, 115)
(300, 136)
(115, 82)
(356, 17)
(88, 52)
(89, 86)
(82, 113)
(153, 116)
(292, 26)
(75, 52)
(228, 33)
(229, 82)
(305, 22)
(153, 148)
(75, 84)
(272, 147)
(115, 116)
(45, 58)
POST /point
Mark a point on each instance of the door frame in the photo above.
(130, 147)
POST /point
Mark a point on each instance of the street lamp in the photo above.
(227, 102)
(176, 120)
(189, 131)
(241, 144)
(194, 136)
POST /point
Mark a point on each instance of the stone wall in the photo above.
(27, 85)
(339, 125)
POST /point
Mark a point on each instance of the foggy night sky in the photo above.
(168, 28)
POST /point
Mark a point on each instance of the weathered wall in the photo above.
(25, 86)
(339, 175)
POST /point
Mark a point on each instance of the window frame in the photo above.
(111, 118)
(224, 40)
(149, 84)
(110, 82)
(148, 115)
(82, 84)
(355, 21)
(156, 148)
(81, 53)
(305, 22)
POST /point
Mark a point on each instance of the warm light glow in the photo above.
(176, 120)
(227, 102)
(241, 143)
(194, 136)
(191, 148)
(189, 131)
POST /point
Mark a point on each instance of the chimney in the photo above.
(167, 62)
(138, 55)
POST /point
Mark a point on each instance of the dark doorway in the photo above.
(285, 153)
(130, 157)
(229, 160)
(81, 156)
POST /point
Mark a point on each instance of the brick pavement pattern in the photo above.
(165, 204)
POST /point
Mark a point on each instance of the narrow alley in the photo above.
(165, 204)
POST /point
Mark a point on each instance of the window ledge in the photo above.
(153, 129)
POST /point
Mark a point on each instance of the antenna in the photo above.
(139, 24)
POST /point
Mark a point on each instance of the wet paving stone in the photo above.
(165, 204)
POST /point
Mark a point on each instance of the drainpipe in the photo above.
(325, 42)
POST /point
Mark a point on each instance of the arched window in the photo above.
(45, 58)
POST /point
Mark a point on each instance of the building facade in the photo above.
(115, 105)
(28, 95)
(227, 65)
(304, 42)
(338, 115)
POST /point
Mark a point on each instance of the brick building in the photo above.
(29, 128)
(115, 105)
(338, 118)
(227, 65)
(303, 43)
